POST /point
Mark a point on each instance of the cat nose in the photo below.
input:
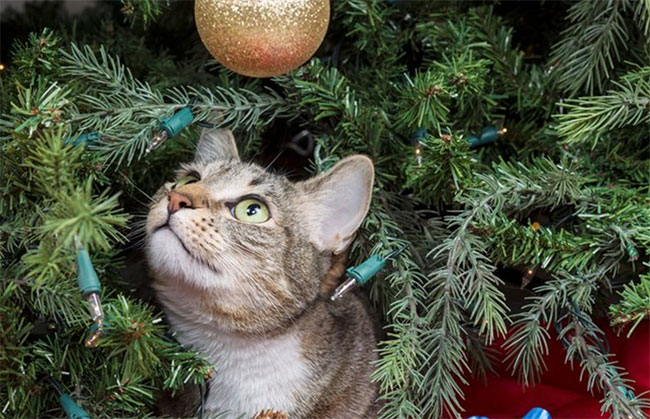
(177, 201)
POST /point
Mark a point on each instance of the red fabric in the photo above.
(560, 392)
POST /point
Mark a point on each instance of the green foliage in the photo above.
(642, 15)
(634, 306)
(145, 10)
(43, 316)
(594, 43)
(446, 165)
(590, 118)
(564, 193)
(126, 111)
(38, 56)
(423, 101)
(603, 373)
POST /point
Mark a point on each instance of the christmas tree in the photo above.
(511, 145)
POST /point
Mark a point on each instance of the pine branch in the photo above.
(17, 372)
(423, 101)
(525, 83)
(445, 364)
(446, 166)
(589, 119)
(126, 111)
(145, 10)
(93, 220)
(39, 56)
(463, 280)
(621, 160)
(52, 164)
(553, 250)
(372, 36)
(642, 15)
(527, 345)
(324, 95)
(366, 23)
(619, 400)
(37, 107)
(634, 306)
(591, 46)
(467, 261)
(397, 370)
(482, 357)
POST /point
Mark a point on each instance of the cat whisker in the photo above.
(136, 187)
(274, 160)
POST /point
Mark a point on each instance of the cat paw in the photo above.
(271, 414)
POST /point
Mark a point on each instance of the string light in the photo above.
(632, 253)
(89, 138)
(169, 127)
(416, 142)
(530, 272)
(359, 275)
(489, 135)
(90, 288)
(528, 275)
(2, 67)
(418, 154)
(72, 409)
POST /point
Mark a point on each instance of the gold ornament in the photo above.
(262, 38)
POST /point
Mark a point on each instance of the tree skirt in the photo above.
(560, 391)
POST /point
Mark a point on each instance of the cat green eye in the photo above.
(191, 177)
(251, 210)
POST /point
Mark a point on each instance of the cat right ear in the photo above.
(334, 203)
(216, 144)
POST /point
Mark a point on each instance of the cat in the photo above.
(244, 262)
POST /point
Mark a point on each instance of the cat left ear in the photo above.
(334, 203)
(216, 144)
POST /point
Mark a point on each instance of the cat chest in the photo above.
(253, 375)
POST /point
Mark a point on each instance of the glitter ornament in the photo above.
(262, 38)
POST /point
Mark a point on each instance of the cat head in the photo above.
(243, 249)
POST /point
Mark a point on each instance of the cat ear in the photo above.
(334, 203)
(216, 144)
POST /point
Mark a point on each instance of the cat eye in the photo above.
(191, 177)
(250, 210)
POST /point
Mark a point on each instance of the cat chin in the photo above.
(169, 258)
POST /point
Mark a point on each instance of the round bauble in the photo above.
(262, 38)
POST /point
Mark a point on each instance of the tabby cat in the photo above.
(244, 262)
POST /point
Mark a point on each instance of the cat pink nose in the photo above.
(177, 201)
